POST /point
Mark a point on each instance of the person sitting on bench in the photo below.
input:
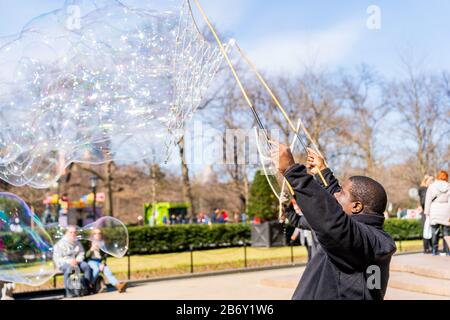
(97, 261)
(68, 254)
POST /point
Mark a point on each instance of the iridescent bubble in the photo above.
(275, 179)
(25, 246)
(108, 233)
(99, 80)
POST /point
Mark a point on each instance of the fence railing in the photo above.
(241, 255)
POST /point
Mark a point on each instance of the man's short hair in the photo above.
(370, 193)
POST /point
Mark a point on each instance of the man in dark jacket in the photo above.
(352, 262)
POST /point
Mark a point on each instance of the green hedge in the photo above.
(148, 240)
(404, 229)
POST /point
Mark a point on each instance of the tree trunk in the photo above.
(109, 180)
(153, 169)
(246, 189)
(187, 188)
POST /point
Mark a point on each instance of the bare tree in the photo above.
(365, 113)
(187, 187)
(420, 101)
(311, 97)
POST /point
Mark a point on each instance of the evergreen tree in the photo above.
(262, 202)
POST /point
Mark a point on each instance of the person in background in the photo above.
(225, 216)
(215, 216)
(236, 218)
(220, 217)
(426, 182)
(47, 215)
(437, 207)
(63, 218)
(307, 237)
(203, 218)
(68, 253)
(97, 261)
(402, 213)
(199, 219)
(244, 218)
(206, 220)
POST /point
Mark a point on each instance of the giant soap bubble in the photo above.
(25, 246)
(108, 233)
(99, 80)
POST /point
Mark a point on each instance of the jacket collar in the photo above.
(374, 220)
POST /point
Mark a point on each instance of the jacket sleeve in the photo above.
(348, 243)
(58, 256)
(428, 200)
(80, 255)
(333, 183)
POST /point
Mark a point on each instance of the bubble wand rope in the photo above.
(316, 148)
(236, 76)
(283, 110)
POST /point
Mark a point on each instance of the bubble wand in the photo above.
(238, 80)
(283, 110)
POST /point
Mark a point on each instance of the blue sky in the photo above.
(282, 35)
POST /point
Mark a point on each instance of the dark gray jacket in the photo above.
(353, 249)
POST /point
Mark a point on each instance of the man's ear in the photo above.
(357, 207)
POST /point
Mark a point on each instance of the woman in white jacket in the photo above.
(437, 207)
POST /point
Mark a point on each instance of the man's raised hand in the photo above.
(281, 156)
(315, 163)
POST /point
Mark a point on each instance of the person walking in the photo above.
(426, 182)
(437, 207)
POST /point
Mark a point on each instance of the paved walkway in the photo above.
(241, 286)
(280, 284)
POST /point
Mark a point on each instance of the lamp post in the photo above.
(94, 180)
(57, 185)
